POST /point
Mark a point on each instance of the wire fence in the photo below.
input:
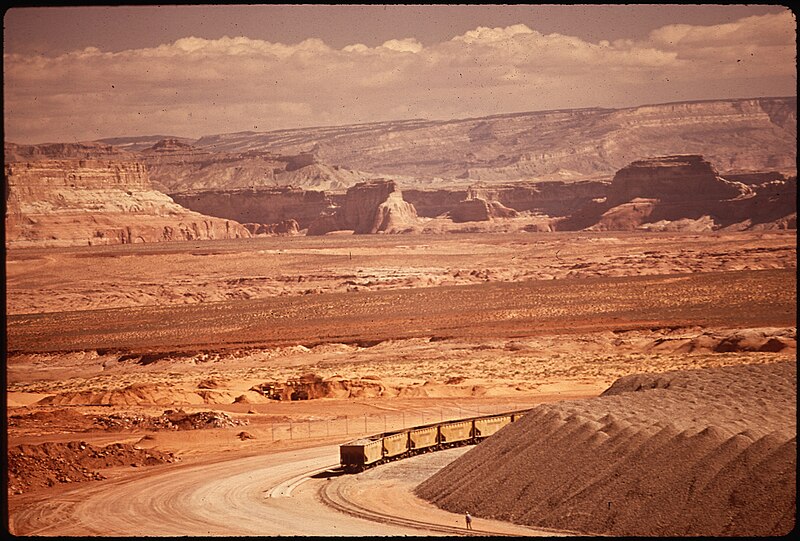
(376, 423)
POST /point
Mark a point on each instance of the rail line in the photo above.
(332, 495)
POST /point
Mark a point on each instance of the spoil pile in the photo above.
(48, 464)
(683, 453)
(169, 420)
(63, 418)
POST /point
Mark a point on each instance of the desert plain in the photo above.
(137, 381)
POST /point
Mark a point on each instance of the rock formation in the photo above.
(71, 202)
(684, 192)
(176, 166)
(262, 205)
(283, 228)
(554, 166)
(673, 178)
(735, 134)
(368, 207)
(477, 209)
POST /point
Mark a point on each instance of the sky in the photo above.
(86, 73)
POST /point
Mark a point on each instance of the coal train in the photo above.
(363, 453)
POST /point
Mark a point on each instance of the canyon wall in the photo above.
(758, 134)
(176, 166)
(74, 202)
(264, 205)
(685, 191)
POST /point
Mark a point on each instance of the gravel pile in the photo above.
(169, 420)
(685, 453)
(48, 464)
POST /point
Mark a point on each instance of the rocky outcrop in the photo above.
(175, 164)
(261, 205)
(431, 203)
(685, 192)
(284, 228)
(368, 207)
(73, 202)
(476, 209)
(92, 150)
(552, 198)
(673, 178)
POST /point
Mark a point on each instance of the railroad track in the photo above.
(332, 495)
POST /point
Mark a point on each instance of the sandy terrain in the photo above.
(121, 345)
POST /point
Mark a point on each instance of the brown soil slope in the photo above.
(704, 452)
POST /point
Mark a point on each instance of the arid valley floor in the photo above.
(165, 349)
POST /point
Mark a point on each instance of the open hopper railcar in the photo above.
(357, 455)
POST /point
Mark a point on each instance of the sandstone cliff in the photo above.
(477, 209)
(72, 202)
(368, 207)
(673, 178)
(685, 192)
(735, 134)
(283, 228)
(176, 166)
(262, 205)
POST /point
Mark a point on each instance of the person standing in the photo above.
(468, 519)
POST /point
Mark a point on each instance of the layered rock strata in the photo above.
(177, 166)
(368, 207)
(477, 209)
(757, 134)
(684, 192)
(262, 205)
(673, 178)
(71, 202)
(284, 228)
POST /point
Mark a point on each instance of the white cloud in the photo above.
(196, 86)
(483, 34)
(408, 45)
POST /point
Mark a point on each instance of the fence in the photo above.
(375, 423)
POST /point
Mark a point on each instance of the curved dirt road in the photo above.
(265, 495)
(244, 496)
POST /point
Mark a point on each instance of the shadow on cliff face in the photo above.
(689, 189)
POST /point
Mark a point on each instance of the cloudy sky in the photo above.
(84, 73)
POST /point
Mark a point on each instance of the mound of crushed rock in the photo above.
(48, 464)
(685, 453)
(169, 420)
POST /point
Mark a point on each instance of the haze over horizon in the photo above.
(87, 73)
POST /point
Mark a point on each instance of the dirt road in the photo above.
(273, 494)
(244, 496)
